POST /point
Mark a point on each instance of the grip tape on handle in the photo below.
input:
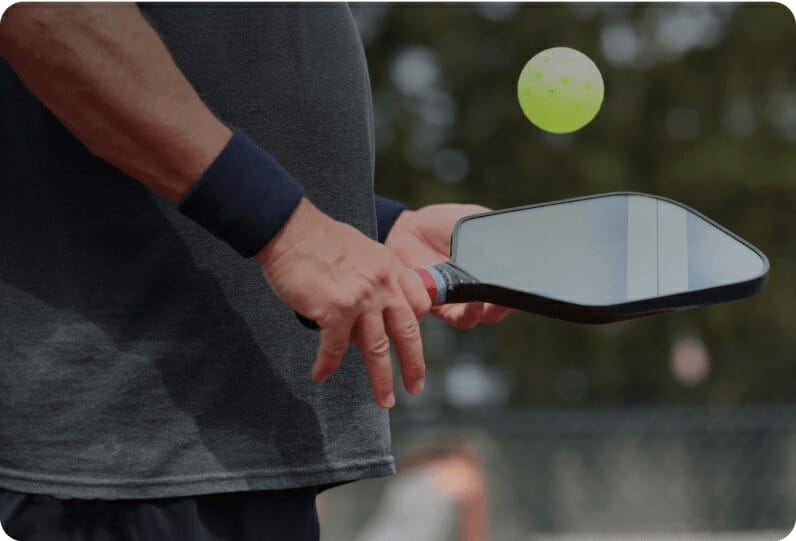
(434, 283)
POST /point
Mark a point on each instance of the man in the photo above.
(155, 385)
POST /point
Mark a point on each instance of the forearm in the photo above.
(104, 72)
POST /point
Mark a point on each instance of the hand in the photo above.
(357, 291)
(422, 238)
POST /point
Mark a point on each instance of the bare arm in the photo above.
(104, 72)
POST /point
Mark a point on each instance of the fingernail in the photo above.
(389, 401)
(417, 386)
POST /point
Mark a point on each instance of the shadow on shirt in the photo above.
(130, 352)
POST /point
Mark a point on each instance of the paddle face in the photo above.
(598, 259)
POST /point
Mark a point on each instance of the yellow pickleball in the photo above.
(560, 90)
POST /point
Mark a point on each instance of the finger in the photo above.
(332, 348)
(375, 346)
(463, 316)
(494, 313)
(421, 254)
(404, 329)
(471, 315)
(448, 312)
(415, 293)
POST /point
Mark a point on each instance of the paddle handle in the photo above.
(435, 284)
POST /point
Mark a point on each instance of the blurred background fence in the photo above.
(653, 473)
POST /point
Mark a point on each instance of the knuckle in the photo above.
(365, 291)
(423, 305)
(334, 350)
(317, 314)
(344, 303)
(408, 330)
(325, 318)
(382, 276)
(379, 347)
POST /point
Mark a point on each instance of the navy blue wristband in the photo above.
(387, 212)
(244, 197)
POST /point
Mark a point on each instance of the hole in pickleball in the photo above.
(587, 86)
(565, 80)
(547, 59)
(538, 75)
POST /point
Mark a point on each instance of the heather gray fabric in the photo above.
(140, 356)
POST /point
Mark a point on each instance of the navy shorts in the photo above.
(282, 515)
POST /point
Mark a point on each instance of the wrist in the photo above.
(402, 223)
(207, 139)
(387, 213)
(244, 198)
(282, 242)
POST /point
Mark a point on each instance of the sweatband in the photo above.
(244, 197)
(387, 212)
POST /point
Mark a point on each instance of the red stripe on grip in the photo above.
(429, 283)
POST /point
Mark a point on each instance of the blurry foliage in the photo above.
(700, 106)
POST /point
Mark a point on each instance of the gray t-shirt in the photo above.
(142, 357)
